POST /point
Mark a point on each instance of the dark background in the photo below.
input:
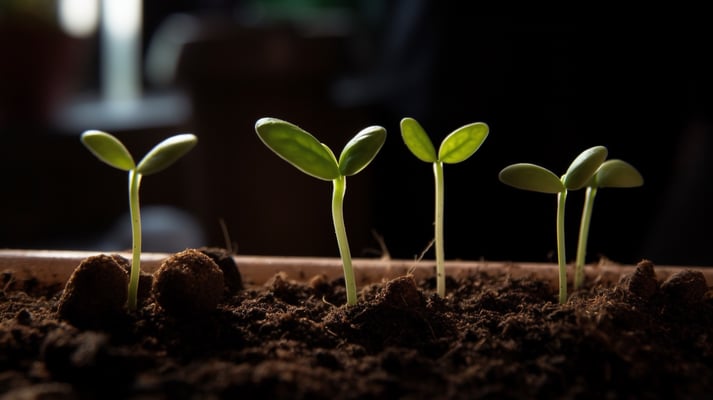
(547, 87)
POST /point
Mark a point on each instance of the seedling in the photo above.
(612, 173)
(458, 146)
(110, 150)
(307, 154)
(539, 179)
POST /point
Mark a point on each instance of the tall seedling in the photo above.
(538, 179)
(307, 154)
(614, 174)
(457, 147)
(110, 150)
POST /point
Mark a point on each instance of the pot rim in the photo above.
(55, 266)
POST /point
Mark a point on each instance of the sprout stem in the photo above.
(340, 186)
(583, 236)
(440, 252)
(134, 182)
(561, 257)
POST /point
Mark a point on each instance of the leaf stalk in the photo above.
(134, 182)
(440, 251)
(561, 257)
(340, 186)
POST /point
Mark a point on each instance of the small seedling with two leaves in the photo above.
(309, 155)
(535, 178)
(110, 150)
(613, 174)
(457, 147)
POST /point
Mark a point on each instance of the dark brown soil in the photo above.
(491, 337)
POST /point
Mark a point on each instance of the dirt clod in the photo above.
(231, 274)
(642, 282)
(686, 286)
(95, 294)
(188, 283)
(402, 292)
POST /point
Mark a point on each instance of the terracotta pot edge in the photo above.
(55, 266)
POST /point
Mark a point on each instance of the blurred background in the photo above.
(547, 87)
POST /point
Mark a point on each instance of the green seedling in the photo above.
(457, 147)
(314, 158)
(538, 179)
(614, 174)
(110, 150)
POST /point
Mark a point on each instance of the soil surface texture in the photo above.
(492, 336)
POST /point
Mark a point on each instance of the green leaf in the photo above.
(298, 148)
(617, 173)
(361, 149)
(531, 177)
(108, 149)
(166, 153)
(417, 140)
(462, 143)
(583, 167)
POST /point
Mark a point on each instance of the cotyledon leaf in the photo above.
(531, 177)
(583, 167)
(361, 149)
(462, 143)
(617, 173)
(108, 149)
(298, 147)
(166, 153)
(416, 139)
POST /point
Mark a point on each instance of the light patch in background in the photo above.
(79, 18)
(121, 24)
(122, 18)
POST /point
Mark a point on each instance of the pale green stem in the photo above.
(134, 182)
(340, 186)
(561, 256)
(584, 236)
(440, 252)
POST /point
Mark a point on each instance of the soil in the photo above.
(492, 336)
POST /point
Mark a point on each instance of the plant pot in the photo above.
(287, 335)
(55, 266)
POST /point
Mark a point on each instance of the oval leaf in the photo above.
(298, 148)
(462, 143)
(361, 149)
(583, 167)
(166, 153)
(417, 140)
(617, 173)
(108, 149)
(531, 177)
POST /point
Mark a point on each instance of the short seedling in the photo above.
(458, 146)
(538, 179)
(612, 173)
(110, 150)
(307, 154)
